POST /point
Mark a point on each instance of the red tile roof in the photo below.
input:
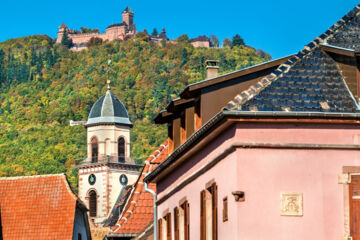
(37, 207)
(138, 212)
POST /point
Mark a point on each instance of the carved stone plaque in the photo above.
(291, 204)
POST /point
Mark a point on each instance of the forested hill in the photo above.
(43, 86)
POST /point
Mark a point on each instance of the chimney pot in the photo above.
(212, 68)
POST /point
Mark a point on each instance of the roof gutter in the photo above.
(245, 114)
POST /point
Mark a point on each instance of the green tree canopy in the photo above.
(237, 41)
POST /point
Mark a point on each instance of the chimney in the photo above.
(212, 68)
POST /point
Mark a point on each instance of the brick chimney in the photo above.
(212, 68)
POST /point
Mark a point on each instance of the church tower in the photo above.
(108, 166)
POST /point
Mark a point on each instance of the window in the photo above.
(79, 236)
(92, 203)
(208, 213)
(121, 150)
(168, 226)
(164, 228)
(181, 222)
(185, 207)
(94, 150)
(225, 209)
(159, 230)
(176, 223)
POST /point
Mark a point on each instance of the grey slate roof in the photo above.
(117, 25)
(118, 206)
(108, 109)
(310, 81)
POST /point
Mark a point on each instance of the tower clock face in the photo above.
(123, 179)
(92, 179)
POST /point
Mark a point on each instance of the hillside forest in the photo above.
(43, 86)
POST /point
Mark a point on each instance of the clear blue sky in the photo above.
(278, 27)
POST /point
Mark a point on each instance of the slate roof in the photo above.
(201, 38)
(37, 207)
(128, 10)
(138, 212)
(118, 206)
(108, 109)
(117, 25)
(310, 81)
(63, 25)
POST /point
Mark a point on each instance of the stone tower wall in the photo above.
(107, 137)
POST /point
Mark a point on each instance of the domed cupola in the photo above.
(108, 109)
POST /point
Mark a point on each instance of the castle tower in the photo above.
(62, 29)
(128, 16)
(108, 166)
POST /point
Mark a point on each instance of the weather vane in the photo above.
(108, 74)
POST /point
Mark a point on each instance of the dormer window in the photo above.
(121, 150)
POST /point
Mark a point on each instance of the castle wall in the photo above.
(204, 44)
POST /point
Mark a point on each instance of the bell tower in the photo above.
(108, 166)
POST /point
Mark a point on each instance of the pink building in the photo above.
(281, 160)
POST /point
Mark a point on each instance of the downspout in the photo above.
(155, 209)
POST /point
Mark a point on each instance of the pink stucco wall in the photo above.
(263, 174)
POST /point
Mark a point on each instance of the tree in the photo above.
(154, 33)
(227, 42)
(143, 36)
(89, 30)
(94, 41)
(237, 41)
(183, 39)
(2, 66)
(214, 41)
(66, 41)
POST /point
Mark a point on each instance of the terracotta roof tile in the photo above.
(138, 212)
(37, 207)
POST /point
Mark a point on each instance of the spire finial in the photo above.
(108, 76)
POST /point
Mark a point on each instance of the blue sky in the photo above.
(278, 27)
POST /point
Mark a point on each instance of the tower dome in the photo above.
(108, 109)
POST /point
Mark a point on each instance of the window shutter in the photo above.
(202, 215)
(214, 210)
(168, 226)
(187, 222)
(159, 230)
(176, 223)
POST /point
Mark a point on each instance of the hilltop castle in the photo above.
(121, 31)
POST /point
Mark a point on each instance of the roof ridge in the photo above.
(255, 89)
(32, 176)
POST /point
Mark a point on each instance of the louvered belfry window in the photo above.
(121, 149)
(92, 203)
(94, 150)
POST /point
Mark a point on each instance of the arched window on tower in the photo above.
(121, 149)
(94, 150)
(92, 203)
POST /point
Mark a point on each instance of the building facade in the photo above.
(108, 166)
(120, 31)
(281, 160)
